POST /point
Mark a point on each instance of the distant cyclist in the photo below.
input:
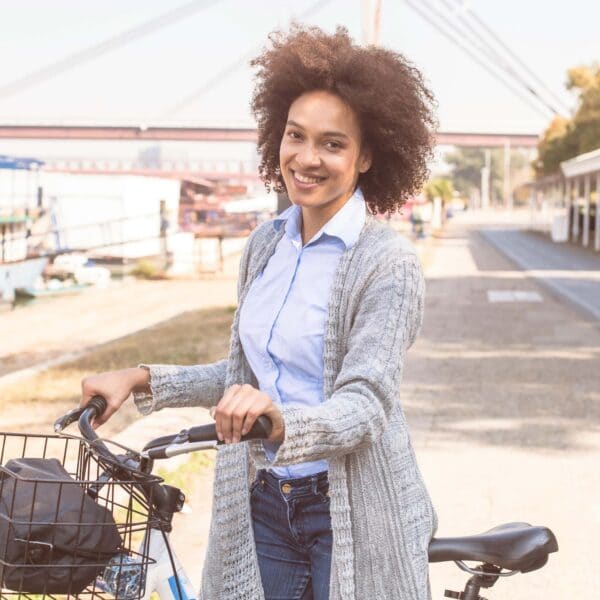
(330, 300)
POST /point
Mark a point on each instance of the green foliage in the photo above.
(145, 269)
(466, 166)
(467, 163)
(181, 476)
(566, 138)
(440, 187)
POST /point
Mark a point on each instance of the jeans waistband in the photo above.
(297, 486)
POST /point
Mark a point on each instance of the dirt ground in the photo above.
(54, 330)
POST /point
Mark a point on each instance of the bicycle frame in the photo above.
(160, 577)
(165, 569)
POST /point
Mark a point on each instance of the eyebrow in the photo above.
(325, 133)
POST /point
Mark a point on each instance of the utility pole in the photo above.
(371, 22)
(507, 192)
(485, 180)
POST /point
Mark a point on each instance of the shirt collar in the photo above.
(345, 225)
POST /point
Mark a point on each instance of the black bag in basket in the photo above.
(54, 538)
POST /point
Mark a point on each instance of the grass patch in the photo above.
(194, 337)
(146, 269)
(180, 476)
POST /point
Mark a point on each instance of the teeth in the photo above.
(303, 179)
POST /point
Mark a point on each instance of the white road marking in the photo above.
(513, 296)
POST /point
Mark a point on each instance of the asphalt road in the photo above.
(568, 270)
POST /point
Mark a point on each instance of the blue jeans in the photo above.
(292, 531)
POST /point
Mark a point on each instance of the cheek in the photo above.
(285, 152)
(344, 166)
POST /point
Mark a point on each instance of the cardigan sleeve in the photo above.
(174, 386)
(194, 385)
(386, 323)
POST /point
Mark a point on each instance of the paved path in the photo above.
(570, 271)
(503, 400)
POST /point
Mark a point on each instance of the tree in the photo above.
(466, 166)
(566, 138)
(440, 187)
(467, 163)
(586, 122)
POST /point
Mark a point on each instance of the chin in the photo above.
(306, 201)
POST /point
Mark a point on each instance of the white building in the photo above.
(111, 215)
(567, 204)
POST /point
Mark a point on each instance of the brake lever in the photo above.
(63, 422)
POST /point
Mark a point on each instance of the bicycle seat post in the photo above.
(471, 592)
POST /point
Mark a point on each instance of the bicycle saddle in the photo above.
(514, 546)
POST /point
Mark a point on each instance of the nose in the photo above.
(308, 156)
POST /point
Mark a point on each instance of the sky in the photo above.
(141, 82)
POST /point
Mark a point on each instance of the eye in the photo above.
(333, 145)
(294, 135)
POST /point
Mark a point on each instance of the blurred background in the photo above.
(128, 187)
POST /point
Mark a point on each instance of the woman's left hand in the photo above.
(239, 408)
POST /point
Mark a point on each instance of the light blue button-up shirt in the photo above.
(282, 320)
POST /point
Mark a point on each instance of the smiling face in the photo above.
(321, 156)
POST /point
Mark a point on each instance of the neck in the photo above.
(311, 223)
(313, 218)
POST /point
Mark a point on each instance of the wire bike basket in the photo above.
(72, 522)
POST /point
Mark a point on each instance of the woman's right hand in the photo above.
(115, 387)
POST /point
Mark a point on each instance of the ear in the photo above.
(365, 160)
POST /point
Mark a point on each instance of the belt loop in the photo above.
(313, 484)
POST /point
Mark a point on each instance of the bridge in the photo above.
(201, 172)
(225, 134)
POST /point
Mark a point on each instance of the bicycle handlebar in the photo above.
(208, 433)
(201, 437)
(85, 415)
(194, 438)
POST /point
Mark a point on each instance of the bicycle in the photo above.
(144, 507)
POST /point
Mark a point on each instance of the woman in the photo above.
(333, 505)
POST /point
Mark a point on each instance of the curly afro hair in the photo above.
(386, 92)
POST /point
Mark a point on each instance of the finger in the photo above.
(222, 416)
(105, 416)
(246, 412)
(258, 406)
(86, 392)
(212, 410)
(252, 404)
(235, 415)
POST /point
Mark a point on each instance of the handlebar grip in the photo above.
(99, 404)
(261, 430)
(94, 408)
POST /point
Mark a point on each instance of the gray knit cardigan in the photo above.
(381, 514)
